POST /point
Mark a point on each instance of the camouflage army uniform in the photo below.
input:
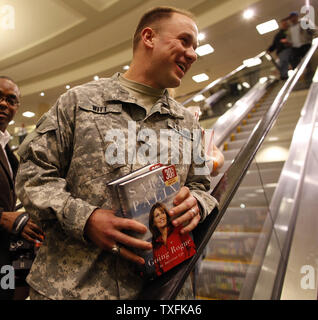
(63, 178)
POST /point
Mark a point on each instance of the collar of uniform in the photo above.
(4, 138)
(165, 105)
(118, 92)
(176, 109)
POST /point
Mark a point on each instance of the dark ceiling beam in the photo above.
(80, 6)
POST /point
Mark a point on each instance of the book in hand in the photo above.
(147, 197)
(114, 185)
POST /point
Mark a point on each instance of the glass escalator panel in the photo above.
(230, 265)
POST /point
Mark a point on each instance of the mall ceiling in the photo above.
(56, 43)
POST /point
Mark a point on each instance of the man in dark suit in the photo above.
(10, 220)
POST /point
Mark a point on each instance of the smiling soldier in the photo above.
(63, 173)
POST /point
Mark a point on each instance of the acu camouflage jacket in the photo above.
(63, 178)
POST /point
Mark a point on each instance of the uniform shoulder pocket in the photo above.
(44, 125)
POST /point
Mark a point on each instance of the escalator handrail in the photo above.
(214, 83)
(169, 284)
(229, 75)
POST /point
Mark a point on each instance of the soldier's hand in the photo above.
(105, 230)
(30, 232)
(187, 210)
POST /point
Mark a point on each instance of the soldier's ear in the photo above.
(147, 36)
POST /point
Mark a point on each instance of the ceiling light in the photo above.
(229, 105)
(42, 94)
(96, 78)
(267, 26)
(126, 67)
(246, 85)
(12, 122)
(198, 98)
(290, 73)
(239, 87)
(68, 87)
(201, 36)
(263, 80)
(200, 77)
(268, 57)
(242, 206)
(252, 62)
(204, 50)
(28, 114)
(248, 14)
(272, 139)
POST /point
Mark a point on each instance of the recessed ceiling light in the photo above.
(96, 78)
(246, 85)
(198, 98)
(28, 114)
(42, 94)
(263, 80)
(200, 77)
(248, 14)
(242, 206)
(267, 26)
(268, 57)
(68, 87)
(126, 67)
(12, 122)
(252, 62)
(204, 50)
(290, 73)
(201, 36)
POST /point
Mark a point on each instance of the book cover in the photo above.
(114, 183)
(147, 199)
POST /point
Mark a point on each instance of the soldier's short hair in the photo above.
(151, 18)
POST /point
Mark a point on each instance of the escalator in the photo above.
(243, 246)
(229, 258)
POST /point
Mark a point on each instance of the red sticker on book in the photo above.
(170, 175)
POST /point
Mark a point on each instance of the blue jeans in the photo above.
(284, 60)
